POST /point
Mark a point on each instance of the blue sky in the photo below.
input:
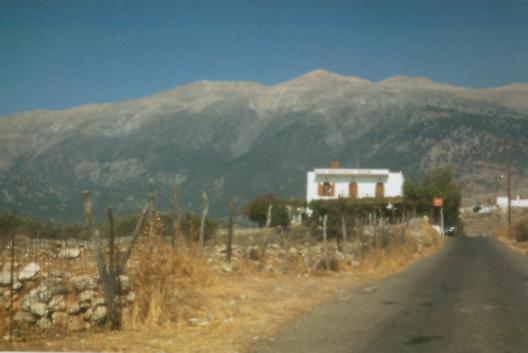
(58, 54)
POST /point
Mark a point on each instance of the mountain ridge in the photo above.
(238, 139)
(317, 73)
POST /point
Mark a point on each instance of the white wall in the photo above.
(394, 187)
(502, 202)
(393, 183)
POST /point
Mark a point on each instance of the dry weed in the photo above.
(168, 285)
(519, 230)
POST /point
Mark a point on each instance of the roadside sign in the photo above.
(438, 202)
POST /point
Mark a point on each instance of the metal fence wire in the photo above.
(53, 287)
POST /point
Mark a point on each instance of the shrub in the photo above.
(191, 226)
(352, 210)
(438, 182)
(256, 210)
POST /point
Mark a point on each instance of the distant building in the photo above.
(333, 183)
(518, 202)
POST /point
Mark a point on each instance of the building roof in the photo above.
(345, 171)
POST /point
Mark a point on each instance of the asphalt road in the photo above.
(472, 296)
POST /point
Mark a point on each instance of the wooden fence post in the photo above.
(230, 231)
(264, 242)
(151, 207)
(325, 249)
(174, 216)
(286, 243)
(12, 275)
(202, 222)
(344, 234)
(109, 274)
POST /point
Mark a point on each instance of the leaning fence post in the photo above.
(109, 274)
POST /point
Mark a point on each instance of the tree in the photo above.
(257, 208)
(438, 182)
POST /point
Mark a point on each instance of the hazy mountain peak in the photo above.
(320, 76)
(224, 136)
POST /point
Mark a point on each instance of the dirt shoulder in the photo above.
(520, 247)
(238, 309)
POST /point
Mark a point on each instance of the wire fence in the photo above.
(51, 287)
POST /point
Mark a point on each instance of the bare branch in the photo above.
(135, 235)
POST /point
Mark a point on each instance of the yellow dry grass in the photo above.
(516, 236)
(184, 305)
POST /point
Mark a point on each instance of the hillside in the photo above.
(239, 139)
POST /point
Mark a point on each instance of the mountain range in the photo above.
(237, 140)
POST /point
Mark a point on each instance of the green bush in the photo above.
(438, 182)
(191, 226)
(256, 210)
(352, 210)
(36, 228)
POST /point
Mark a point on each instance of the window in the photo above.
(353, 190)
(326, 189)
(380, 190)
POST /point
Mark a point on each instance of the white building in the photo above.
(502, 202)
(333, 183)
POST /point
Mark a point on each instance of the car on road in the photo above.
(450, 231)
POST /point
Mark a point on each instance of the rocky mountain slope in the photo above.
(240, 139)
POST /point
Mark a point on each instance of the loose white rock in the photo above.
(84, 282)
(29, 271)
(44, 323)
(124, 282)
(70, 253)
(5, 278)
(87, 296)
(39, 309)
(57, 303)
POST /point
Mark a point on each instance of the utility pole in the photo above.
(498, 181)
(508, 151)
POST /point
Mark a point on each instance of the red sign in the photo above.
(438, 202)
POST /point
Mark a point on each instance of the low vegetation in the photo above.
(438, 182)
(186, 299)
(518, 230)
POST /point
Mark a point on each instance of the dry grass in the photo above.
(184, 304)
(168, 285)
(519, 230)
(516, 236)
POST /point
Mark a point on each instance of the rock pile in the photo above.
(57, 300)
